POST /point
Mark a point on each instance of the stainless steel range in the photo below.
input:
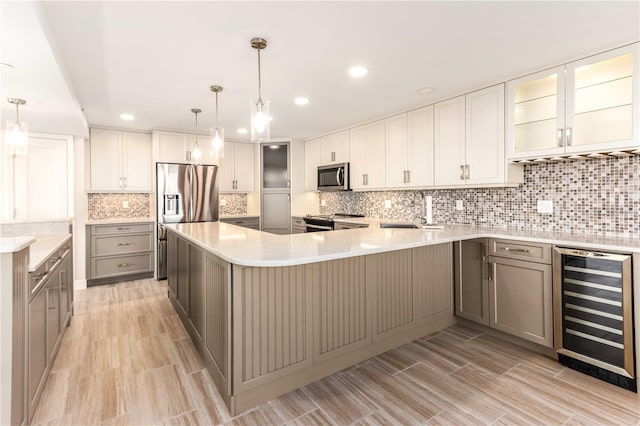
(319, 223)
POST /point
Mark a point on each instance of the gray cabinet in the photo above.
(37, 359)
(520, 292)
(252, 222)
(349, 225)
(116, 252)
(297, 225)
(182, 276)
(172, 264)
(471, 280)
(52, 292)
(196, 289)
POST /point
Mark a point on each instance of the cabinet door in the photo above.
(276, 212)
(602, 101)
(66, 287)
(471, 280)
(37, 346)
(136, 161)
(244, 167)
(521, 299)
(312, 156)
(420, 147)
(358, 155)
(450, 142)
(535, 114)
(376, 170)
(196, 289)
(396, 151)
(328, 154)
(182, 288)
(52, 290)
(172, 264)
(485, 136)
(106, 160)
(227, 168)
(208, 156)
(172, 147)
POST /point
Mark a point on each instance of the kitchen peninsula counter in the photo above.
(246, 247)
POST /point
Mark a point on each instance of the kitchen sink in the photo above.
(409, 225)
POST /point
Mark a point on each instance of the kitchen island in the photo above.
(271, 313)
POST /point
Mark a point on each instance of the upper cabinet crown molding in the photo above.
(120, 161)
(581, 107)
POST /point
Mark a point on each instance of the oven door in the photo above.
(318, 228)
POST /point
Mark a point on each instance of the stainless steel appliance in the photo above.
(334, 177)
(593, 314)
(319, 223)
(185, 193)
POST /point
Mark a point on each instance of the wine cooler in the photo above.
(593, 314)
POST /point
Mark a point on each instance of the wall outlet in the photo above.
(323, 203)
(387, 204)
(125, 204)
(545, 206)
(223, 202)
(459, 205)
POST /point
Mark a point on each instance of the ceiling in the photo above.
(157, 60)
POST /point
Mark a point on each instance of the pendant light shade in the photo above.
(17, 132)
(197, 152)
(217, 133)
(260, 107)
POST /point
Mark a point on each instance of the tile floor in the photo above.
(126, 359)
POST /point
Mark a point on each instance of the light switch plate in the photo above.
(387, 204)
(125, 204)
(323, 203)
(459, 205)
(223, 202)
(545, 206)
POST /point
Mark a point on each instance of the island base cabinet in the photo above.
(471, 280)
(520, 295)
(37, 362)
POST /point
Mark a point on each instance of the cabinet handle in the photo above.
(125, 181)
(124, 244)
(408, 176)
(492, 271)
(333, 156)
(124, 265)
(364, 181)
(560, 138)
(120, 179)
(461, 171)
(187, 155)
(367, 179)
(467, 173)
(39, 277)
(55, 259)
(123, 229)
(569, 136)
(517, 250)
(288, 183)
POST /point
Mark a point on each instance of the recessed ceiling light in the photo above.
(127, 117)
(357, 72)
(301, 100)
(242, 130)
(426, 90)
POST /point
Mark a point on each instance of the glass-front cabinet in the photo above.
(585, 106)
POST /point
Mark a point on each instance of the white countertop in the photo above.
(243, 246)
(14, 244)
(121, 220)
(43, 247)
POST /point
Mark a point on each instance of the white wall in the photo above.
(79, 213)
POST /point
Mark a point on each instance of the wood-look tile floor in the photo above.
(126, 359)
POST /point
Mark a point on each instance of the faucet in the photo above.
(426, 216)
(421, 216)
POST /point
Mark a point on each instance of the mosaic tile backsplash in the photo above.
(109, 206)
(236, 204)
(595, 196)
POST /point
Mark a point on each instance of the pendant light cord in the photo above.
(259, 80)
(217, 110)
(17, 113)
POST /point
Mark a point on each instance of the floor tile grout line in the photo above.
(503, 374)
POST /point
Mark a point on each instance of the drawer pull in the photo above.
(55, 259)
(39, 277)
(124, 244)
(123, 229)
(516, 250)
(124, 265)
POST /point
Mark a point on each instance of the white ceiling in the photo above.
(157, 60)
(35, 74)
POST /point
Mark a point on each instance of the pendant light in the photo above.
(197, 152)
(17, 133)
(217, 133)
(260, 108)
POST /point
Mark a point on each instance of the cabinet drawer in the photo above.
(523, 250)
(121, 244)
(247, 222)
(121, 265)
(121, 228)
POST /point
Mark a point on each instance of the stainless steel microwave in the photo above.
(334, 177)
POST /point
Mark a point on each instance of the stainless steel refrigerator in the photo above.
(185, 193)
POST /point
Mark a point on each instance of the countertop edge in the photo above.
(15, 244)
(45, 252)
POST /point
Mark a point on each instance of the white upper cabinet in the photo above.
(409, 149)
(120, 161)
(176, 147)
(584, 106)
(450, 157)
(237, 168)
(469, 140)
(335, 148)
(312, 159)
(367, 151)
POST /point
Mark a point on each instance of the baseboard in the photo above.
(80, 284)
(120, 278)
